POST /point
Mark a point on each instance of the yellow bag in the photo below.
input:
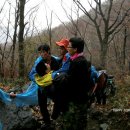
(45, 80)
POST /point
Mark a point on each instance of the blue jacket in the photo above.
(54, 66)
(64, 67)
(33, 70)
(94, 75)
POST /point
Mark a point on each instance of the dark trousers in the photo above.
(61, 99)
(101, 97)
(43, 94)
(60, 104)
(59, 96)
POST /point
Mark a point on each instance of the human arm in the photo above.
(64, 67)
(32, 73)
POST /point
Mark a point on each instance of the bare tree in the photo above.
(124, 45)
(3, 48)
(103, 16)
(49, 27)
(12, 65)
(76, 27)
(20, 37)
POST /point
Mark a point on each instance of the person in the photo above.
(44, 54)
(46, 57)
(43, 64)
(93, 76)
(100, 93)
(92, 83)
(43, 70)
(75, 95)
(65, 57)
(78, 70)
(63, 43)
(63, 61)
(32, 72)
(76, 88)
(58, 79)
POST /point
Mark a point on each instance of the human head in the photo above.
(76, 45)
(44, 51)
(63, 43)
(41, 68)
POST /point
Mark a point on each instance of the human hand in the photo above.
(12, 95)
(48, 68)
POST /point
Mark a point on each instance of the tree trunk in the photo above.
(14, 41)
(103, 55)
(21, 39)
(124, 45)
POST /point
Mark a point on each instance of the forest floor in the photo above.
(115, 115)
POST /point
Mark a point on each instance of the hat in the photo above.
(63, 42)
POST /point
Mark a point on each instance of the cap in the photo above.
(63, 42)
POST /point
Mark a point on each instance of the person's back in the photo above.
(93, 76)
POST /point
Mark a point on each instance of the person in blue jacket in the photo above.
(92, 84)
(59, 74)
(44, 51)
(45, 54)
(44, 93)
(94, 75)
(64, 60)
(65, 57)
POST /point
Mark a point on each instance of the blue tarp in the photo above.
(29, 97)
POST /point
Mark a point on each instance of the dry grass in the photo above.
(122, 97)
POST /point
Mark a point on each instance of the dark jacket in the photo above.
(54, 66)
(78, 79)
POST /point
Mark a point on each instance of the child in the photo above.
(43, 70)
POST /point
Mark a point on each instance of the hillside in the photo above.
(115, 115)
